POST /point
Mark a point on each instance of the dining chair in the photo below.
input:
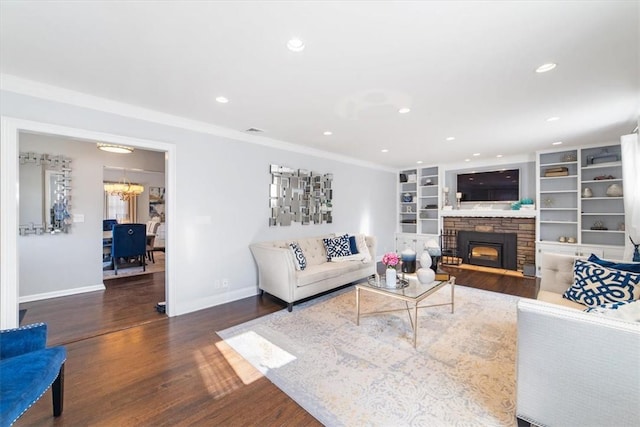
(107, 224)
(152, 229)
(129, 241)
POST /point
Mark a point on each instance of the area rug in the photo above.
(462, 372)
(137, 270)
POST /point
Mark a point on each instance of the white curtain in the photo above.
(631, 180)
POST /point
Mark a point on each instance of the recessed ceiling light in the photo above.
(295, 45)
(222, 99)
(546, 67)
(451, 138)
(556, 143)
(419, 162)
(476, 154)
(327, 133)
(404, 110)
(499, 155)
(553, 119)
(467, 160)
(384, 150)
(115, 148)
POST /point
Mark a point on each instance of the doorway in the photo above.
(10, 245)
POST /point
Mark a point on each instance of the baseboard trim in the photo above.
(222, 298)
(62, 293)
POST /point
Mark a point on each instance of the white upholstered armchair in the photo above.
(576, 368)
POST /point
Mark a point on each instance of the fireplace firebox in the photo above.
(497, 250)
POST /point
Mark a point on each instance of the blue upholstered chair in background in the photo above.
(27, 370)
(107, 224)
(129, 240)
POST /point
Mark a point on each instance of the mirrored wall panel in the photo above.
(299, 195)
(45, 194)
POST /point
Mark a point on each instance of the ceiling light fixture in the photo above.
(553, 119)
(499, 155)
(476, 154)
(451, 138)
(467, 160)
(115, 148)
(222, 99)
(546, 67)
(384, 150)
(556, 143)
(295, 45)
(419, 162)
(404, 110)
(327, 133)
(125, 189)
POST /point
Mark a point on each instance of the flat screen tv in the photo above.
(492, 186)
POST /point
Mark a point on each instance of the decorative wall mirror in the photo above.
(300, 195)
(45, 193)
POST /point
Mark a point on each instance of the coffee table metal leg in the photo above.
(357, 306)
(453, 285)
(415, 325)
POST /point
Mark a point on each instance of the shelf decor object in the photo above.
(614, 190)
(300, 195)
(603, 157)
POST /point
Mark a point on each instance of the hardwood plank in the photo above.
(128, 365)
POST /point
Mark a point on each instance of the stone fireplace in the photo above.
(488, 250)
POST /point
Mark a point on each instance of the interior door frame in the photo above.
(9, 191)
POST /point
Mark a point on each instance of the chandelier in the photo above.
(125, 189)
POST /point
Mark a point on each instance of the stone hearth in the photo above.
(525, 228)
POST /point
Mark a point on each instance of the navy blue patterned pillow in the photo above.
(337, 246)
(608, 306)
(298, 256)
(596, 285)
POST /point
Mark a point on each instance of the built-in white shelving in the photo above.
(575, 204)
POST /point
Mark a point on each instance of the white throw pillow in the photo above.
(627, 310)
(363, 249)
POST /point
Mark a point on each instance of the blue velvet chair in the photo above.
(107, 224)
(129, 241)
(27, 370)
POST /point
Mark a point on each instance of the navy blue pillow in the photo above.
(352, 245)
(632, 267)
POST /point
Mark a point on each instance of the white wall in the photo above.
(222, 199)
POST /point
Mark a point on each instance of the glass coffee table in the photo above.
(409, 290)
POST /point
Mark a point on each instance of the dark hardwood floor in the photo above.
(124, 303)
(127, 365)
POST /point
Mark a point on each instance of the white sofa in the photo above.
(278, 276)
(574, 368)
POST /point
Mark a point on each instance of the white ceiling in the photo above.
(466, 69)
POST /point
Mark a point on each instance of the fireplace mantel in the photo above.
(491, 213)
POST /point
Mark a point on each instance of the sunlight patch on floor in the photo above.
(260, 351)
(240, 366)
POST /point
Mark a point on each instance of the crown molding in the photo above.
(21, 86)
